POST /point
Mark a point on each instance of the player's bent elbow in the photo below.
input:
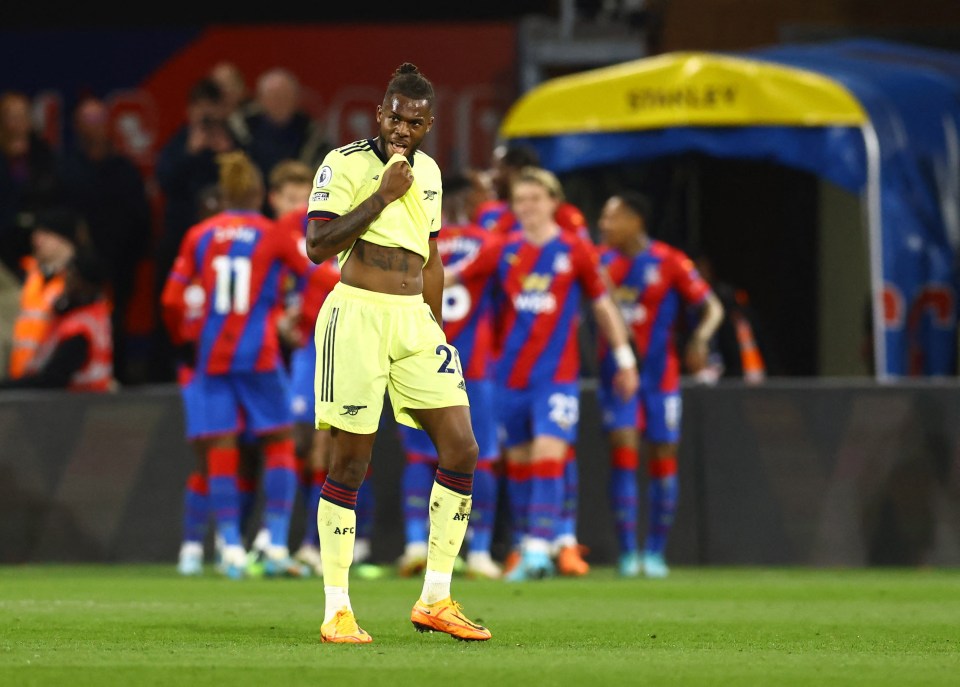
(317, 255)
(317, 252)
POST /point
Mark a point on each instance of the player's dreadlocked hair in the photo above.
(408, 81)
(240, 181)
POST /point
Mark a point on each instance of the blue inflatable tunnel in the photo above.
(877, 118)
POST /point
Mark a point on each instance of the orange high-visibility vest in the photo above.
(92, 322)
(37, 296)
(751, 361)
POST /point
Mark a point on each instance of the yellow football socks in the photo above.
(338, 531)
(449, 517)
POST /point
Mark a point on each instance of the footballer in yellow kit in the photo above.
(370, 342)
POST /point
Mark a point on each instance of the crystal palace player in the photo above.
(496, 215)
(468, 324)
(376, 203)
(238, 257)
(541, 272)
(652, 281)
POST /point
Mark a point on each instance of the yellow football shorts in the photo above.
(369, 343)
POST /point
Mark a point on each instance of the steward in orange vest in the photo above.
(77, 353)
(54, 235)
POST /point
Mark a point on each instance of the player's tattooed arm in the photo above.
(326, 238)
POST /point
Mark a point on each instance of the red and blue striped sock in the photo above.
(339, 494)
(519, 481)
(247, 493)
(416, 483)
(224, 499)
(484, 507)
(567, 523)
(546, 498)
(622, 491)
(460, 482)
(662, 493)
(196, 512)
(279, 489)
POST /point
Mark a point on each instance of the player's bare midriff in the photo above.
(386, 269)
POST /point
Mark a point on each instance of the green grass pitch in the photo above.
(145, 625)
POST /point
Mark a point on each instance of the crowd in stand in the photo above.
(93, 198)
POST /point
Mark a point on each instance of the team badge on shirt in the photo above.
(429, 195)
(651, 275)
(324, 176)
(561, 263)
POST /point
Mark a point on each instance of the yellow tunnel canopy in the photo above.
(682, 89)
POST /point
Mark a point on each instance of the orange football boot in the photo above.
(570, 561)
(343, 629)
(447, 616)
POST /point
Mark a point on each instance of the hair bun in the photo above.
(407, 68)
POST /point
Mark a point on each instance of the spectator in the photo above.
(186, 168)
(233, 86)
(109, 191)
(28, 175)
(9, 308)
(238, 101)
(54, 234)
(77, 353)
(279, 128)
(739, 349)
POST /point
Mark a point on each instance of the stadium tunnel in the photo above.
(827, 169)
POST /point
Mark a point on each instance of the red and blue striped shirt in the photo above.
(239, 258)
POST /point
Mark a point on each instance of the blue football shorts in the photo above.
(417, 444)
(546, 409)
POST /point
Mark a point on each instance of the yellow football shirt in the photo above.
(350, 174)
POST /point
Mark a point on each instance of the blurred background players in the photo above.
(238, 256)
(507, 163)
(652, 282)
(196, 512)
(541, 272)
(468, 324)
